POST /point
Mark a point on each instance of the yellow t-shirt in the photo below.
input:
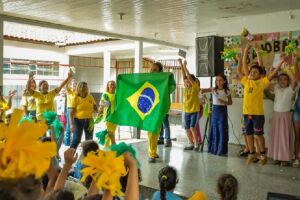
(191, 101)
(44, 102)
(253, 103)
(29, 102)
(4, 107)
(84, 107)
(70, 96)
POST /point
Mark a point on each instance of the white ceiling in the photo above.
(176, 21)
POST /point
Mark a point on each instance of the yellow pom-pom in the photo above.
(21, 152)
(105, 169)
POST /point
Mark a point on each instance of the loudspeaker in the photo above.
(208, 56)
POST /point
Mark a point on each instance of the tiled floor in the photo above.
(199, 171)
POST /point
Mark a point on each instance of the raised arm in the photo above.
(274, 71)
(10, 96)
(239, 65)
(245, 65)
(259, 58)
(132, 187)
(70, 75)
(182, 68)
(70, 158)
(295, 76)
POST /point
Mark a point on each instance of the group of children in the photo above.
(255, 80)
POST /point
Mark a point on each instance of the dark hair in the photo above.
(225, 86)
(45, 139)
(159, 65)
(124, 179)
(167, 178)
(260, 69)
(41, 83)
(227, 187)
(60, 194)
(20, 189)
(193, 77)
(25, 92)
(94, 197)
(89, 146)
(284, 74)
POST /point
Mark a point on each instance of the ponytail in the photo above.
(162, 186)
(228, 187)
(167, 178)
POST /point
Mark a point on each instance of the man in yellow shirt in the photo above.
(254, 82)
(191, 106)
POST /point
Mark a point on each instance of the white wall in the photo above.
(22, 50)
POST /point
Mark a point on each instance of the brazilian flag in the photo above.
(142, 100)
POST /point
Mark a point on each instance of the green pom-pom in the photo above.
(51, 119)
(206, 110)
(122, 147)
(101, 136)
(25, 118)
(291, 47)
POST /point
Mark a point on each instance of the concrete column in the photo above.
(107, 66)
(138, 56)
(138, 64)
(1, 53)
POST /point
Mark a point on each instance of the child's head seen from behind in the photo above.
(168, 179)
(227, 187)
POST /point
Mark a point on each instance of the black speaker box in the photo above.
(208, 56)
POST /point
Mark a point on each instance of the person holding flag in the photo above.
(142, 100)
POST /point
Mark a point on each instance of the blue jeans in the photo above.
(166, 130)
(81, 125)
(67, 139)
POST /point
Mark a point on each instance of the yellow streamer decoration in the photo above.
(106, 169)
(21, 153)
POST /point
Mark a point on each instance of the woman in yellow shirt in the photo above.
(107, 108)
(45, 98)
(5, 105)
(191, 107)
(81, 115)
(28, 102)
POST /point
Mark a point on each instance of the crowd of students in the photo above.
(284, 141)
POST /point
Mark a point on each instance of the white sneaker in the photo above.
(296, 163)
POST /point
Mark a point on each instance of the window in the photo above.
(18, 66)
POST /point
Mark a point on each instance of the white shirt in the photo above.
(60, 105)
(220, 94)
(283, 98)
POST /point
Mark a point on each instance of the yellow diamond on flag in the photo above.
(144, 100)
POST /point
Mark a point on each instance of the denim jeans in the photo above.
(165, 129)
(67, 139)
(81, 125)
